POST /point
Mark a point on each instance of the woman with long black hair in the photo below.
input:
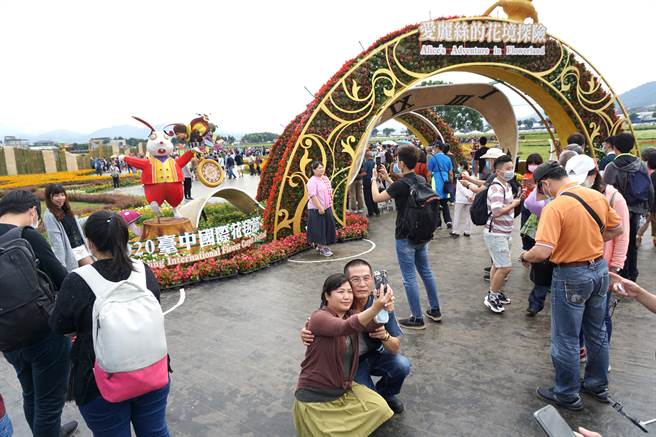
(107, 236)
(64, 230)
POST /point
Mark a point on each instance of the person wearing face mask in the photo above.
(42, 366)
(571, 233)
(501, 206)
(583, 170)
(532, 162)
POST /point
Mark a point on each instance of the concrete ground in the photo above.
(236, 351)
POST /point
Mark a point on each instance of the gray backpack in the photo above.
(27, 295)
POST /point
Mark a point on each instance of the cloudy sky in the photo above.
(91, 64)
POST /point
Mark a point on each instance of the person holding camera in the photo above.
(412, 257)
(379, 349)
(327, 400)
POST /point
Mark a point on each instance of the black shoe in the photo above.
(435, 315)
(530, 312)
(395, 405)
(503, 299)
(486, 277)
(599, 395)
(412, 323)
(449, 225)
(454, 236)
(467, 235)
(487, 269)
(547, 395)
(68, 429)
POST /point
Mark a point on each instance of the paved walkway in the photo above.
(236, 352)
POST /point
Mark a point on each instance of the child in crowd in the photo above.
(464, 197)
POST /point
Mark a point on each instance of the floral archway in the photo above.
(336, 124)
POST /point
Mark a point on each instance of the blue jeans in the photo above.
(414, 258)
(6, 430)
(147, 413)
(42, 369)
(537, 297)
(392, 368)
(231, 173)
(578, 303)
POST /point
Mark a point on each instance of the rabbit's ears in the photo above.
(152, 129)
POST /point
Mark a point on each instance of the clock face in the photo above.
(210, 173)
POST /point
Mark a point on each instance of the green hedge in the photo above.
(3, 163)
(29, 161)
(60, 160)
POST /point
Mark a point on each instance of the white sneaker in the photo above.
(493, 304)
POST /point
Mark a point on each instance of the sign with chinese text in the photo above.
(202, 244)
(474, 37)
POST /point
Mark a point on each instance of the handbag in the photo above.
(541, 273)
(530, 228)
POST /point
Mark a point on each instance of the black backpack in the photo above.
(27, 297)
(478, 211)
(637, 189)
(421, 213)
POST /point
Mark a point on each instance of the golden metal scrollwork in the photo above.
(342, 120)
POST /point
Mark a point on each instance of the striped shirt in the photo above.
(499, 195)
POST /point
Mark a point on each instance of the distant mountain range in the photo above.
(640, 98)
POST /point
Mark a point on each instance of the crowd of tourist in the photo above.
(580, 228)
(581, 222)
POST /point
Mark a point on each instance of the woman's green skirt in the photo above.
(358, 412)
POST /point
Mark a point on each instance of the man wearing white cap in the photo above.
(571, 233)
(585, 172)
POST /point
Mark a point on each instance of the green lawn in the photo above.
(79, 206)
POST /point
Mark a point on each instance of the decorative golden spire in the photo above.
(516, 10)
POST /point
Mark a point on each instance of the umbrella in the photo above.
(404, 142)
(389, 143)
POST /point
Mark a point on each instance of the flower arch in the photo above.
(336, 124)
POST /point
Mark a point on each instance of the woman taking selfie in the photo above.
(64, 231)
(321, 229)
(328, 402)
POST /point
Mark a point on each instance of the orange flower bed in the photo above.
(62, 177)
